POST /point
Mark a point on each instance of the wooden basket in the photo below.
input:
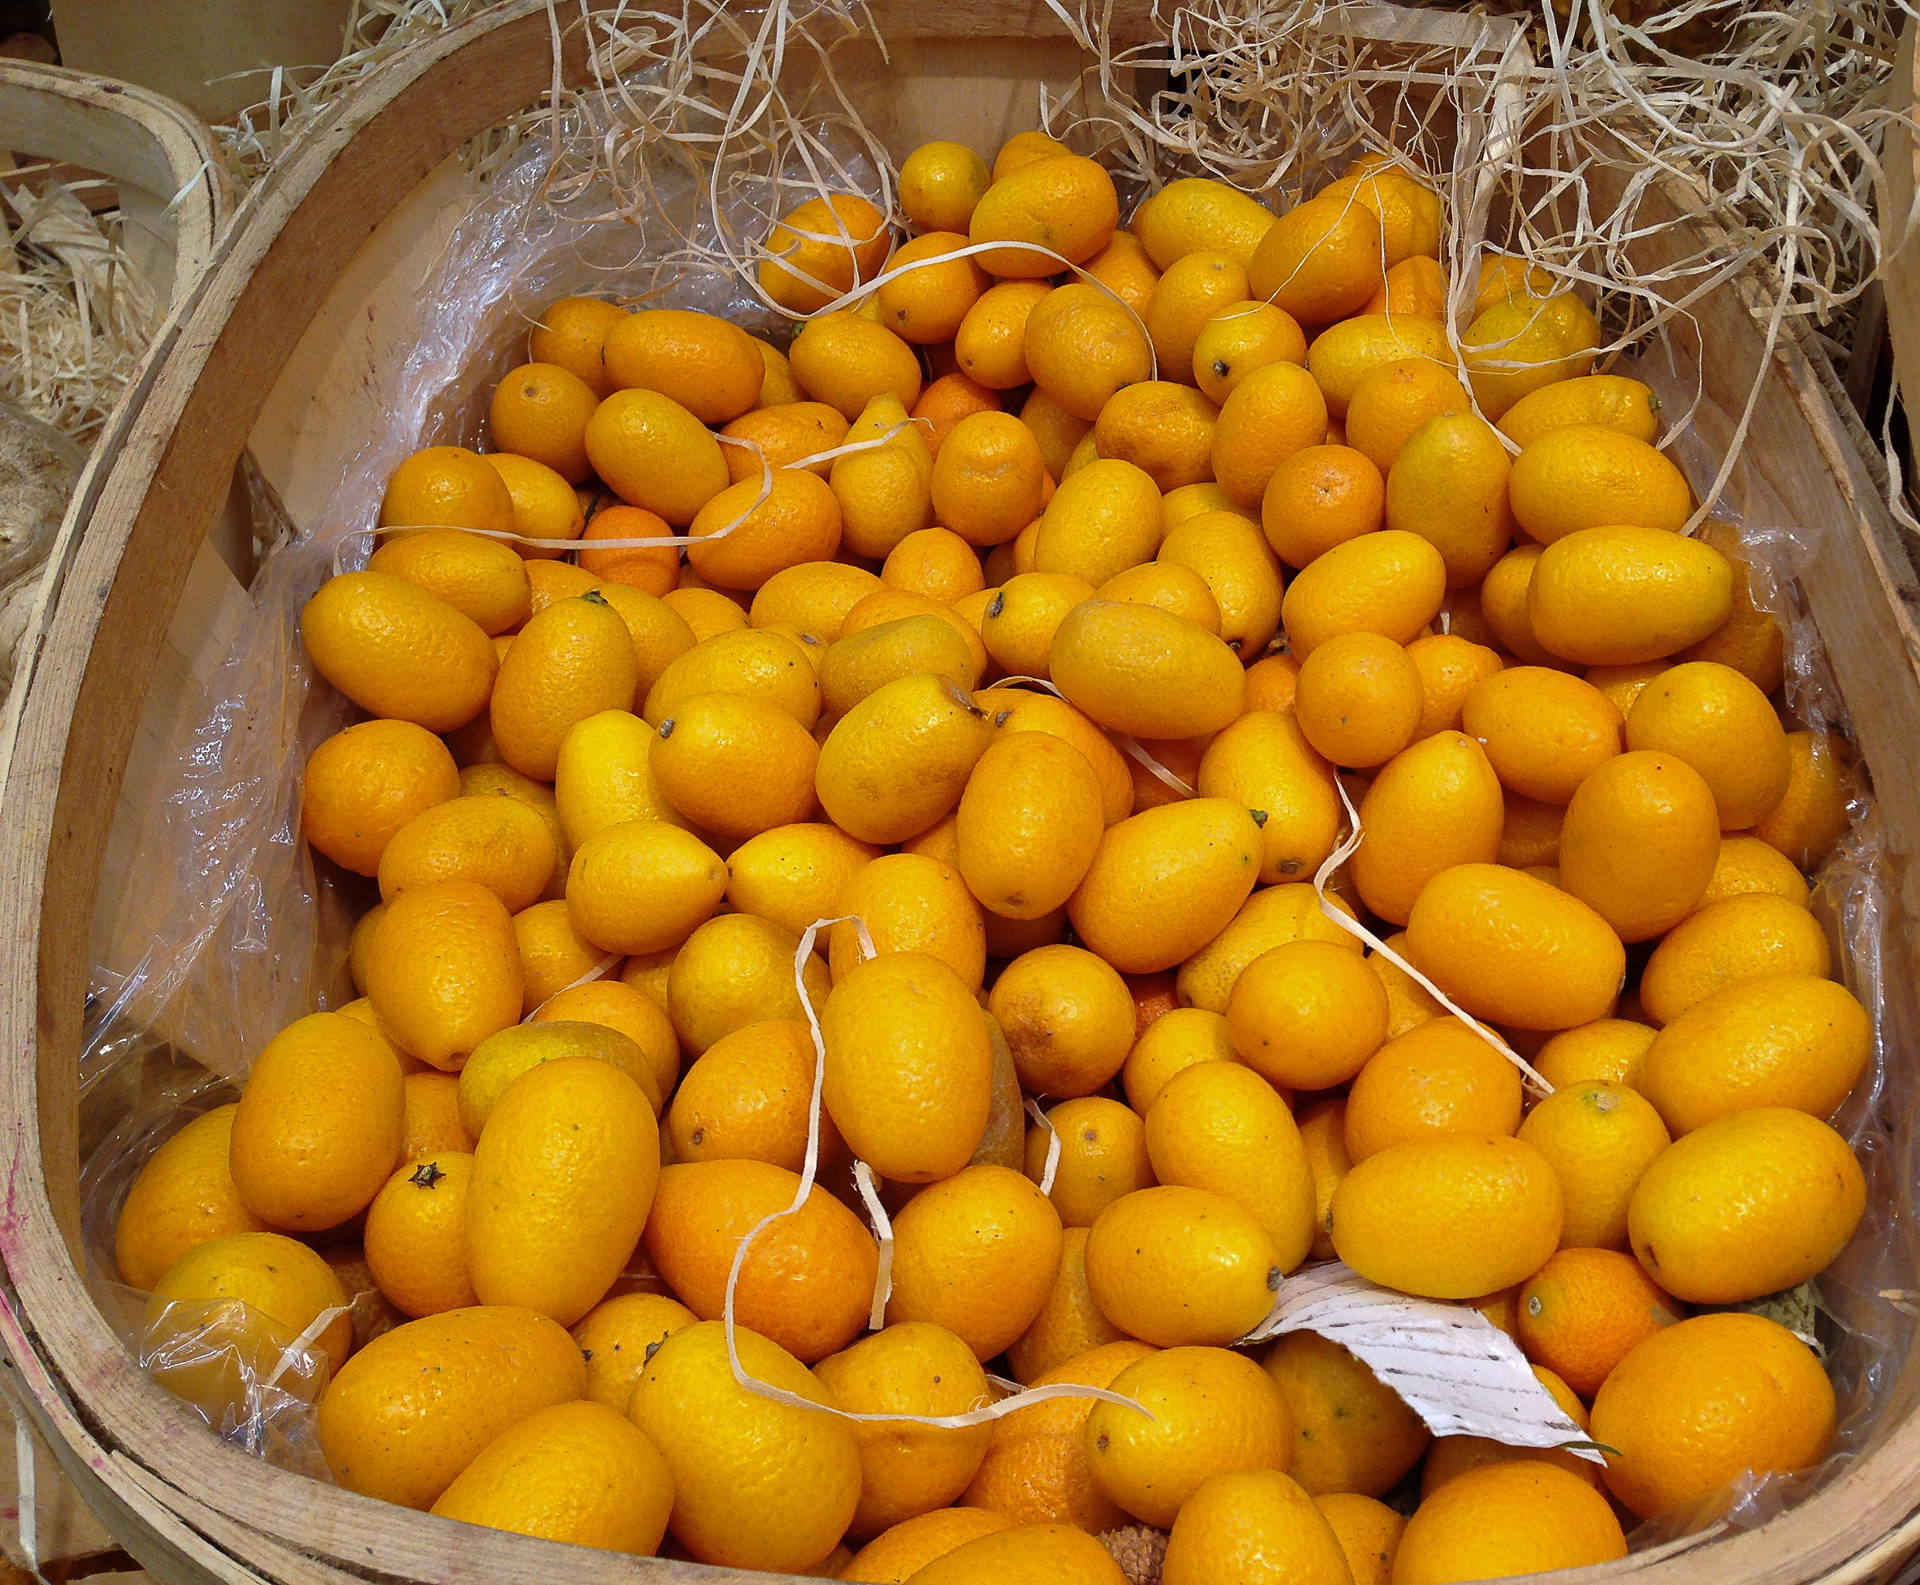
(306, 290)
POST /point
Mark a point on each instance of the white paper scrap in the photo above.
(1458, 1371)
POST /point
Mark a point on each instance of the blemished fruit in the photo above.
(1351, 1433)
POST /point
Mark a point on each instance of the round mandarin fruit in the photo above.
(757, 1483)
(1175, 1265)
(1080, 347)
(397, 651)
(1700, 1404)
(1209, 1412)
(823, 249)
(1036, 1469)
(990, 345)
(616, 1337)
(976, 1253)
(1778, 1039)
(806, 1280)
(913, 1368)
(1639, 842)
(572, 333)
(1351, 1432)
(1320, 261)
(1585, 1309)
(230, 1310)
(1544, 731)
(1069, 1324)
(653, 453)
(416, 1235)
(908, 1066)
(1358, 701)
(415, 1406)
(1166, 882)
(1737, 938)
(446, 487)
(182, 1197)
(1745, 1206)
(364, 784)
(642, 886)
(1240, 338)
(1599, 1137)
(748, 1096)
(910, 902)
(1449, 1216)
(1439, 1077)
(1263, 761)
(540, 411)
(1068, 1020)
(1318, 498)
(1518, 1516)
(737, 970)
(1273, 412)
(1061, 207)
(1172, 1043)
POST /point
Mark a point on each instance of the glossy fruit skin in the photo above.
(757, 1484)
(501, 1058)
(1544, 732)
(1165, 882)
(575, 1472)
(1065, 203)
(1222, 1127)
(1438, 1078)
(414, 1407)
(1180, 1266)
(1513, 949)
(1233, 558)
(563, 1176)
(1435, 804)
(1081, 348)
(1274, 412)
(707, 364)
(1589, 475)
(1212, 1411)
(910, 901)
(1391, 583)
(1611, 399)
(321, 1119)
(1724, 727)
(845, 360)
(1027, 1555)
(1600, 1138)
(572, 660)
(1746, 1206)
(977, 1254)
(904, 1549)
(1196, 213)
(1368, 1533)
(1724, 942)
(1272, 917)
(1069, 1323)
(806, 1281)
(1457, 1216)
(1102, 520)
(1776, 1040)
(1514, 1517)
(1698, 1403)
(614, 1338)
(397, 651)
(1262, 760)
(1615, 596)
(182, 1196)
(1307, 1015)
(746, 661)
(1352, 1433)
(1137, 669)
(363, 784)
(1581, 1313)
(899, 760)
(502, 843)
(1320, 260)
(821, 249)
(642, 886)
(909, 1066)
(1448, 484)
(415, 1239)
(1639, 843)
(1030, 822)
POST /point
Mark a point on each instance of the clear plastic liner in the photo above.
(250, 935)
